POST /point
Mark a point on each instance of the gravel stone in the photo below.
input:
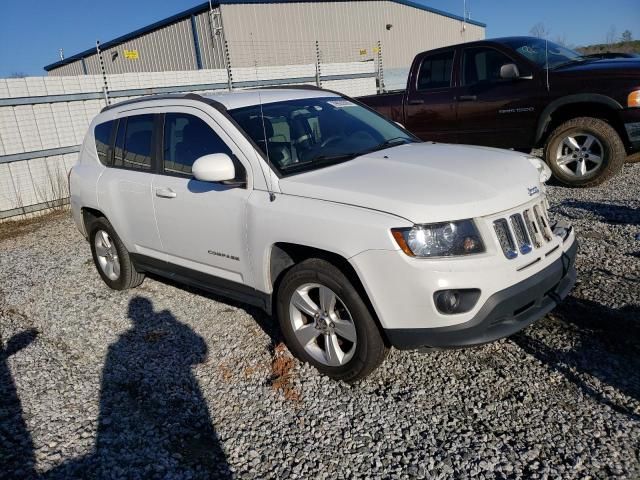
(169, 382)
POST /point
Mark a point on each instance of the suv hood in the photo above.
(424, 182)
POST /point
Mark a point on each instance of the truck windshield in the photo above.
(306, 134)
(542, 53)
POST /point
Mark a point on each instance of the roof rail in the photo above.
(187, 96)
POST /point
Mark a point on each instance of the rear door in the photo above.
(202, 225)
(490, 110)
(430, 107)
(124, 188)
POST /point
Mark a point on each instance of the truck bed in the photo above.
(389, 104)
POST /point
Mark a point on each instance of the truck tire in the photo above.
(326, 323)
(111, 256)
(584, 152)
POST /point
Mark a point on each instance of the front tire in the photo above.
(111, 257)
(326, 323)
(584, 152)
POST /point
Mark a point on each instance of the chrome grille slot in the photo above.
(505, 238)
(520, 232)
(543, 223)
(534, 231)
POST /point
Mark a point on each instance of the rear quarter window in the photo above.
(102, 134)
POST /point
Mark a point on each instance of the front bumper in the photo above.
(631, 121)
(503, 314)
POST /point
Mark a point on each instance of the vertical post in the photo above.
(105, 88)
(318, 71)
(381, 87)
(227, 61)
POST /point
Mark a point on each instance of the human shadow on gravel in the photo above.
(154, 421)
(605, 344)
(16, 446)
(608, 213)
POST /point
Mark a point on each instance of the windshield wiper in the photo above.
(392, 142)
(569, 62)
(320, 161)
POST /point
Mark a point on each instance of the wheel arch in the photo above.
(88, 215)
(285, 255)
(572, 106)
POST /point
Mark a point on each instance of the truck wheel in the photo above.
(326, 323)
(584, 151)
(111, 257)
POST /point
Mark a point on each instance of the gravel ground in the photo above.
(167, 382)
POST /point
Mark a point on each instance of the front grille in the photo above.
(523, 231)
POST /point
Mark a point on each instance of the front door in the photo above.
(430, 107)
(201, 224)
(493, 111)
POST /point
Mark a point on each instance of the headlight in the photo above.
(633, 100)
(439, 239)
(543, 168)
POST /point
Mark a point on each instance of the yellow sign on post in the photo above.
(363, 51)
(131, 54)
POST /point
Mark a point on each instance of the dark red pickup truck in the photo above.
(525, 93)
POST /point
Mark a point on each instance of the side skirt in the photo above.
(219, 286)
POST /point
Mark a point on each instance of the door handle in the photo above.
(165, 193)
(417, 101)
(467, 98)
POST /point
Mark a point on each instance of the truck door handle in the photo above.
(467, 98)
(165, 193)
(416, 101)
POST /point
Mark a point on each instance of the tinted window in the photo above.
(133, 142)
(435, 71)
(306, 134)
(187, 138)
(483, 65)
(102, 135)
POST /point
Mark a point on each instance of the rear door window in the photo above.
(435, 71)
(133, 147)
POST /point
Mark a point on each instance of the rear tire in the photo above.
(111, 257)
(584, 152)
(333, 330)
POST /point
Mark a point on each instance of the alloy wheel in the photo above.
(107, 255)
(322, 324)
(580, 155)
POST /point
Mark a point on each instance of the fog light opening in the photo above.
(450, 302)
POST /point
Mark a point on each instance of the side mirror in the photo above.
(509, 71)
(215, 167)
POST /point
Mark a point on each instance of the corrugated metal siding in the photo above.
(167, 49)
(413, 30)
(74, 68)
(211, 47)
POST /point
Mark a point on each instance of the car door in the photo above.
(491, 110)
(124, 188)
(202, 225)
(430, 106)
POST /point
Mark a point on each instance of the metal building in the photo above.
(254, 29)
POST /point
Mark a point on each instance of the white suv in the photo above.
(355, 234)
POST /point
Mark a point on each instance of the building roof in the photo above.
(419, 4)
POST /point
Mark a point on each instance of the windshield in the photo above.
(306, 134)
(537, 50)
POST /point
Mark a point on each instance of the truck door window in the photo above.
(482, 65)
(435, 71)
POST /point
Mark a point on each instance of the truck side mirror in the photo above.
(215, 167)
(509, 71)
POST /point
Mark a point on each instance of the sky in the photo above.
(33, 31)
